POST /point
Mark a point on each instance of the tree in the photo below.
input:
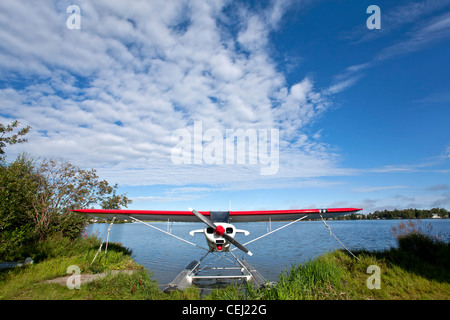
(63, 187)
(17, 189)
(13, 139)
(36, 199)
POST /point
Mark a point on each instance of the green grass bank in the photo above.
(415, 270)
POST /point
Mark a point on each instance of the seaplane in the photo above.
(219, 232)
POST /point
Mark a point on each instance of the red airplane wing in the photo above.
(288, 215)
(234, 216)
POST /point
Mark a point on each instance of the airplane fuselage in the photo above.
(216, 241)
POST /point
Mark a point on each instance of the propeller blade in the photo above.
(237, 244)
(220, 232)
(203, 218)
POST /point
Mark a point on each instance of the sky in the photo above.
(337, 112)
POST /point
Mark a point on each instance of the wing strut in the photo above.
(264, 235)
(332, 234)
(172, 235)
(101, 244)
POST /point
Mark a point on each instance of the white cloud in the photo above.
(375, 189)
(111, 94)
(424, 25)
(427, 33)
(397, 17)
(447, 152)
(342, 85)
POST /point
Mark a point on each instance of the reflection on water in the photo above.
(166, 256)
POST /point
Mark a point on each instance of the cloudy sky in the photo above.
(362, 115)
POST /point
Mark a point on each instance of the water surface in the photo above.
(166, 256)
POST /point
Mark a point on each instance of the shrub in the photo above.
(17, 187)
(36, 199)
(420, 249)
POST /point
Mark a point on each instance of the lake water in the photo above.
(166, 256)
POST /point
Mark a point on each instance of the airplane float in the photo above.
(219, 233)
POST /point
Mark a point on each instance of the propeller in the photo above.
(220, 231)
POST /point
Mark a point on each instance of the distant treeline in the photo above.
(399, 214)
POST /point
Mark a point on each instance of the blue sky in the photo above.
(362, 113)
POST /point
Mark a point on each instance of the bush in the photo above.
(416, 238)
(421, 251)
(17, 187)
(36, 199)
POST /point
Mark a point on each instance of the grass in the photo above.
(28, 283)
(416, 270)
(338, 276)
(315, 279)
